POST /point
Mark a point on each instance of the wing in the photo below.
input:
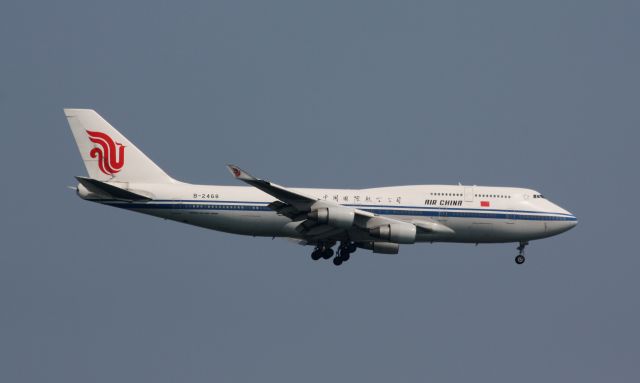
(294, 199)
(320, 219)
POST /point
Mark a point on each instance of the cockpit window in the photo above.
(538, 196)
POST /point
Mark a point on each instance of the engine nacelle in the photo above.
(396, 233)
(381, 247)
(339, 217)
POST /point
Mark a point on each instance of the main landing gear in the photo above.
(326, 252)
(322, 251)
(520, 257)
(344, 253)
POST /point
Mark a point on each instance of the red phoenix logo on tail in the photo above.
(110, 153)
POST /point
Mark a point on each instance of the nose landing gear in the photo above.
(520, 257)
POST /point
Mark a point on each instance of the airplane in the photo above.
(377, 219)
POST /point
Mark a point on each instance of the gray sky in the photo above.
(540, 94)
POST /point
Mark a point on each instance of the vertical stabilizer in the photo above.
(107, 154)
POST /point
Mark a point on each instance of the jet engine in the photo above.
(381, 247)
(395, 232)
(338, 217)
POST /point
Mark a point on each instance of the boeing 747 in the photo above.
(377, 219)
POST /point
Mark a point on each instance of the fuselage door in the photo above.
(468, 194)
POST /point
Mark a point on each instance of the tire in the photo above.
(337, 261)
(345, 257)
(327, 254)
(520, 259)
(317, 254)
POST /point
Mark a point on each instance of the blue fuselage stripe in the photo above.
(442, 212)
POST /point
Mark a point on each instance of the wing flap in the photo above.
(432, 227)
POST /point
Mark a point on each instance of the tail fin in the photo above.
(107, 154)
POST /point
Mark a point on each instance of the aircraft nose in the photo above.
(558, 227)
(572, 222)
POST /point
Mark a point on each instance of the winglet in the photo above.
(240, 174)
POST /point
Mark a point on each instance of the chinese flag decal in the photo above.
(484, 203)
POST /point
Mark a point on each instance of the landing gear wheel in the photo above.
(520, 256)
(345, 250)
(337, 261)
(327, 253)
(317, 254)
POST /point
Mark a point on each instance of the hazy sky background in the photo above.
(541, 94)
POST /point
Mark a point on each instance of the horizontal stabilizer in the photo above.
(110, 191)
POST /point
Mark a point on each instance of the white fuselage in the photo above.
(476, 214)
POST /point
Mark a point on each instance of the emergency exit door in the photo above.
(468, 194)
